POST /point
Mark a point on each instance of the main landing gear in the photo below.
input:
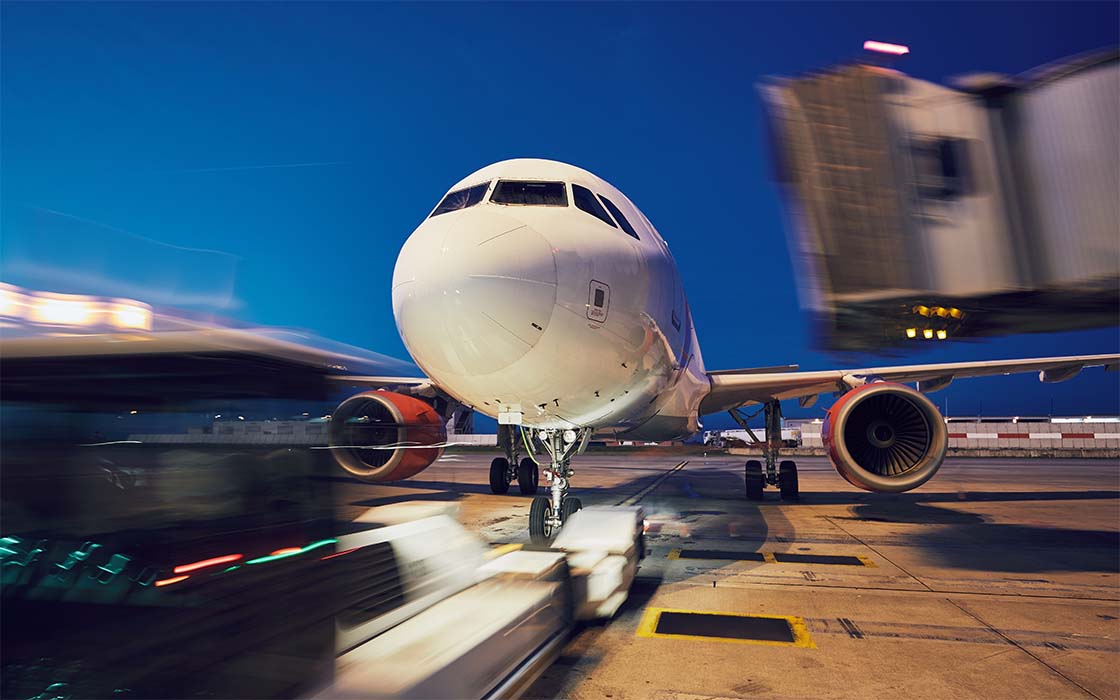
(505, 470)
(782, 474)
(548, 513)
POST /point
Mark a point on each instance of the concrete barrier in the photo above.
(1002, 439)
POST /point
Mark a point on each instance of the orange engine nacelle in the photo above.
(885, 437)
(383, 436)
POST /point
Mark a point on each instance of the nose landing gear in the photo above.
(548, 513)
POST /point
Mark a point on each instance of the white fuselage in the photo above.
(539, 307)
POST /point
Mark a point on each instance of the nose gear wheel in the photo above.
(571, 505)
(541, 520)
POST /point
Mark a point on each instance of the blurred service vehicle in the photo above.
(149, 552)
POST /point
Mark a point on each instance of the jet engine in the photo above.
(885, 437)
(383, 436)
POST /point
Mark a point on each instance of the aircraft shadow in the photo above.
(955, 539)
(452, 491)
(917, 497)
(435, 496)
(965, 540)
(1024, 549)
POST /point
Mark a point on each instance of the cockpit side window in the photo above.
(585, 200)
(540, 194)
(461, 199)
(617, 213)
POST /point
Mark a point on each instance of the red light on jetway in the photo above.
(881, 47)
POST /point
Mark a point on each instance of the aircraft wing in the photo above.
(734, 388)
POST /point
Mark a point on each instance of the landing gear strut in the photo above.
(783, 474)
(506, 470)
(549, 513)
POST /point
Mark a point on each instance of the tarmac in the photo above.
(999, 578)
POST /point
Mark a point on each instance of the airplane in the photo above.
(538, 294)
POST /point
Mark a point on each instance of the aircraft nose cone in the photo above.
(473, 293)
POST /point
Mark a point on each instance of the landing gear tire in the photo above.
(571, 505)
(528, 476)
(787, 480)
(540, 520)
(755, 480)
(499, 475)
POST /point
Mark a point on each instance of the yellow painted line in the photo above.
(867, 561)
(656, 482)
(503, 549)
(801, 638)
(673, 554)
(768, 557)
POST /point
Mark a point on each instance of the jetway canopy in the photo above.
(918, 211)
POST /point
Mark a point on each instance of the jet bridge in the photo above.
(919, 212)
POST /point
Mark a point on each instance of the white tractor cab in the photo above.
(475, 622)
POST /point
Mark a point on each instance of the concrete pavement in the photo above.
(999, 578)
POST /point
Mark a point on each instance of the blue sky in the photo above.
(169, 120)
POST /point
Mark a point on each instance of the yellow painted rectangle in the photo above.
(797, 627)
(769, 558)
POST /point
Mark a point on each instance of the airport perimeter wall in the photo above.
(474, 439)
(1106, 448)
(975, 439)
(279, 433)
(1012, 439)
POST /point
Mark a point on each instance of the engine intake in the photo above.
(383, 436)
(885, 437)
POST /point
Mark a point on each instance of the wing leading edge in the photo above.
(734, 389)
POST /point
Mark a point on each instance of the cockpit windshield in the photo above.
(585, 200)
(461, 199)
(619, 217)
(535, 193)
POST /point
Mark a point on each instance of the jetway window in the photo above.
(619, 217)
(461, 199)
(585, 200)
(541, 194)
(942, 167)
